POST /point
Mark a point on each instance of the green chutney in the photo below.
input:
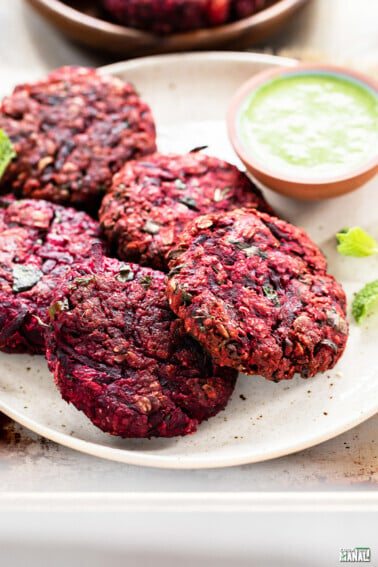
(311, 124)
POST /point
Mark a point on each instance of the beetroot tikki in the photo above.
(39, 242)
(167, 16)
(71, 132)
(254, 290)
(151, 201)
(121, 356)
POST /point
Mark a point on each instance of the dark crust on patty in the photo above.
(167, 16)
(152, 200)
(121, 356)
(254, 290)
(39, 242)
(72, 131)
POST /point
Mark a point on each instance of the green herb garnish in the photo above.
(189, 202)
(365, 300)
(85, 280)
(186, 297)
(271, 294)
(176, 270)
(356, 242)
(145, 281)
(7, 152)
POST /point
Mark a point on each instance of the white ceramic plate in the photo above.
(189, 95)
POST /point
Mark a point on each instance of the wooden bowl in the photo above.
(85, 24)
(292, 185)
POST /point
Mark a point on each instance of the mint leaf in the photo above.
(356, 242)
(365, 300)
(7, 152)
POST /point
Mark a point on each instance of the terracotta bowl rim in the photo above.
(258, 166)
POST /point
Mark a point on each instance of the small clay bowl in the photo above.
(290, 184)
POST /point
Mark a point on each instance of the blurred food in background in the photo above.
(167, 16)
(143, 27)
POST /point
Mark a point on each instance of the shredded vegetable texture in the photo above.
(7, 152)
(365, 301)
(356, 242)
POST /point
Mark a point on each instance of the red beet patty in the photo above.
(152, 200)
(254, 290)
(166, 16)
(121, 356)
(39, 242)
(72, 131)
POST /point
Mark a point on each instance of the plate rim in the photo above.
(209, 55)
(135, 457)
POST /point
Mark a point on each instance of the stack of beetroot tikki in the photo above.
(206, 282)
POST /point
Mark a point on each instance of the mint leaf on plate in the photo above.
(7, 152)
(356, 242)
(365, 300)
